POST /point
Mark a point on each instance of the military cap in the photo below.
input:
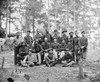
(83, 32)
(64, 31)
(70, 32)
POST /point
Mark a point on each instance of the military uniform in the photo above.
(49, 37)
(68, 56)
(62, 49)
(28, 39)
(45, 46)
(76, 48)
(83, 45)
(55, 47)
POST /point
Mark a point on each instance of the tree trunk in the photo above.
(81, 73)
(6, 23)
(84, 25)
(0, 22)
(33, 27)
(74, 16)
(2, 64)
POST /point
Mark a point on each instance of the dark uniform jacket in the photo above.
(55, 45)
(23, 50)
(63, 47)
(45, 45)
(36, 48)
(70, 46)
(28, 40)
(76, 43)
(64, 37)
(49, 37)
(83, 42)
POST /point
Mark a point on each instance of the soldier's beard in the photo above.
(71, 36)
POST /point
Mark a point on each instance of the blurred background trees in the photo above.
(23, 15)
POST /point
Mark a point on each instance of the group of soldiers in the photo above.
(53, 49)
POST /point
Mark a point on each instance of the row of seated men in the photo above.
(51, 53)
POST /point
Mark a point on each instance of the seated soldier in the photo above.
(45, 46)
(30, 60)
(62, 48)
(37, 49)
(55, 46)
(23, 51)
(68, 57)
(50, 59)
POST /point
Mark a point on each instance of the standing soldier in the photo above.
(71, 40)
(83, 44)
(56, 36)
(48, 36)
(16, 43)
(28, 39)
(38, 35)
(76, 47)
(64, 36)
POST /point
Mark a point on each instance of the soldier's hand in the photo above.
(70, 52)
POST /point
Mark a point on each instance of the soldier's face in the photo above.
(28, 33)
(76, 33)
(55, 40)
(45, 39)
(63, 41)
(71, 34)
(83, 34)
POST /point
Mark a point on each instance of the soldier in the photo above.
(23, 51)
(48, 36)
(68, 56)
(62, 48)
(76, 47)
(64, 36)
(38, 35)
(16, 44)
(45, 46)
(37, 49)
(71, 40)
(28, 39)
(83, 44)
(50, 59)
(55, 46)
(56, 36)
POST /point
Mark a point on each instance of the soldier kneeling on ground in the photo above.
(50, 59)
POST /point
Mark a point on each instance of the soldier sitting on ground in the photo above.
(23, 51)
(50, 59)
(62, 48)
(55, 46)
(37, 49)
(30, 60)
(68, 56)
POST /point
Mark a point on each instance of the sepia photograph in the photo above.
(49, 40)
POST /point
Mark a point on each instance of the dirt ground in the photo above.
(54, 74)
